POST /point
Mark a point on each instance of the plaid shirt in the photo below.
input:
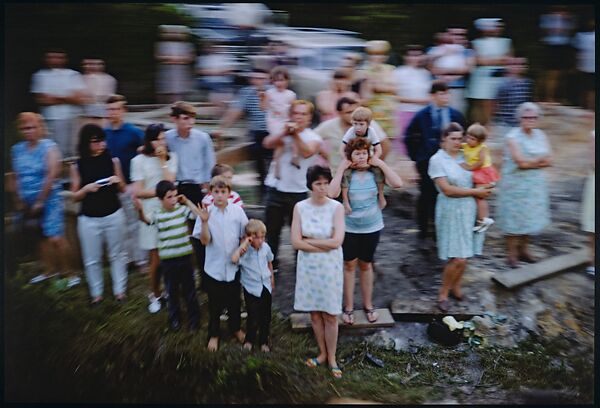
(512, 93)
(249, 102)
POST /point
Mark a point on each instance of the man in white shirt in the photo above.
(283, 193)
(60, 92)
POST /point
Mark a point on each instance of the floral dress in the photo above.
(30, 166)
(319, 275)
(523, 200)
(454, 216)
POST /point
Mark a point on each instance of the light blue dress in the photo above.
(454, 216)
(31, 168)
(484, 83)
(319, 275)
(523, 200)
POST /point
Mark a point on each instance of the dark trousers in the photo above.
(262, 156)
(280, 208)
(194, 193)
(179, 277)
(223, 295)
(259, 316)
(427, 198)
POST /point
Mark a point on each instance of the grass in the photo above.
(65, 351)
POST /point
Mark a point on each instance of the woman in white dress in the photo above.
(317, 235)
(154, 164)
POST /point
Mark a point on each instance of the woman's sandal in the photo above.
(348, 317)
(312, 362)
(336, 372)
(372, 315)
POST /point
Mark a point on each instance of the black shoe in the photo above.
(174, 325)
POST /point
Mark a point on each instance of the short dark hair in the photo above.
(340, 74)
(182, 108)
(88, 133)
(219, 169)
(116, 98)
(316, 172)
(163, 187)
(151, 134)
(438, 86)
(451, 128)
(55, 50)
(259, 70)
(280, 71)
(344, 100)
(358, 143)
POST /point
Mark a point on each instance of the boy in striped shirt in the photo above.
(175, 251)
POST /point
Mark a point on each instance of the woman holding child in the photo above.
(96, 181)
(154, 164)
(455, 212)
(364, 220)
(317, 235)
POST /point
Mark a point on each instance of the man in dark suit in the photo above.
(422, 139)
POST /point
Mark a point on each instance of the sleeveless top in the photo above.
(472, 154)
(105, 201)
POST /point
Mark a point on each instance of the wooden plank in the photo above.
(301, 321)
(418, 310)
(542, 269)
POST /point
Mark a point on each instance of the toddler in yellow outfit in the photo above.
(479, 161)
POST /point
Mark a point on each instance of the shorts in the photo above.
(361, 246)
(485, 175)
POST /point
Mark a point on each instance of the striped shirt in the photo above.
(249, 102)
(234, 198)
(173, 238)
(511, 93)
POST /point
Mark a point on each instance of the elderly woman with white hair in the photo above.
(523, 199)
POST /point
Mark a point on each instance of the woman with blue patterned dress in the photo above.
(523, 199)
(455, 213)
(317, 235)
(36, 162)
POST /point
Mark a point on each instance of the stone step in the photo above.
(301, 321)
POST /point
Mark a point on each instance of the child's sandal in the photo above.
(336, 372)
(312, 362)
(348, 317)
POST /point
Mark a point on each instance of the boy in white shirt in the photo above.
(255, 259)
(222, 225)
(361, 127)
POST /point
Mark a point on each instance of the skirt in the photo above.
(485, 175)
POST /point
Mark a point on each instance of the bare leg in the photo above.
(447, 279)
(487, 107)
(62, 259)
(318, 326)
(46, 257)
(349, 268)
(512, 243)
(153, 272)
(366, 283)
(331, 337)
(461, 265)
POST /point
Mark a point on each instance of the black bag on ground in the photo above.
(440, 333)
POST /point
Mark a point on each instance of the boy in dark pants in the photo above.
(222, 227)
(175, 251)
(255, 259)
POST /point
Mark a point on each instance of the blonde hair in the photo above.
(478, 131)
(255, 226)
(302, 102)
(361, 113)
(34, 117)
(219, 182)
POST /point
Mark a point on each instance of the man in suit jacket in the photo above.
(422, 139)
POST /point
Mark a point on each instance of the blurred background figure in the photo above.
(98, 87)
(451, 61)
(491, 52)
(60, 92)
(585, 44)
(380, 92)
(326, 100)
(174, 54)
(588, 206)
(36, 164)
(514, 90)
(215, 68)
(557, 27)
(413, 83)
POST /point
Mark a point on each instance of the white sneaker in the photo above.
(74, 281)
(485, 224)
(591, 270)
(154, 305)
(40, 278)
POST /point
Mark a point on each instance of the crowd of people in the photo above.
(158, 198)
